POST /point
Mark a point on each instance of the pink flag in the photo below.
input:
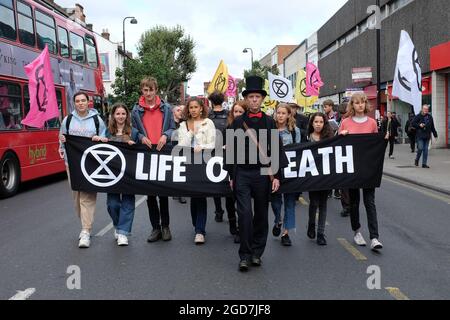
(313, 80)
(43, 104)
(232, 87)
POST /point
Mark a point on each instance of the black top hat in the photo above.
(254, 84)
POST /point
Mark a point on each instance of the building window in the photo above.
(26, 27)
(275, 59)
(7, 21)
(46, 32)
(398, 4)
(77, 47)
(63, 42)
(10, 106)
(328, 50)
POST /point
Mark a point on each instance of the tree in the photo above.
(163, 53)
(258, 70)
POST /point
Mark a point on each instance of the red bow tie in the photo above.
(255, 115)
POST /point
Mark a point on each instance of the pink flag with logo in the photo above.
(43, 103)
(232, 87)
(313, 80)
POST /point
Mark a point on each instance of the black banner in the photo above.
(354, 161)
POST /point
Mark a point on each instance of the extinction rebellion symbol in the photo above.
(280, 88)
(103, 176)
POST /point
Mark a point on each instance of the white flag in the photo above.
(280, 88)
(408, 74)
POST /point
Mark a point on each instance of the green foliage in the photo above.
(258, 70)
(163, 53)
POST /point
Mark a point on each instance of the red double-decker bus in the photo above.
(25, 28)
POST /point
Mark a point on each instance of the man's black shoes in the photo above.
(256, 262)
(243, 266)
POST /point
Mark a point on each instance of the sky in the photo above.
(220, 29)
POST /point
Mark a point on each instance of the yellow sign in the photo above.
(301, 97)
(267, 103)
(220, 80)
(37, 153)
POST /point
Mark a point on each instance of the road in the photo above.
(38, 243)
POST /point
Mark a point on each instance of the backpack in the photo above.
(96, 121)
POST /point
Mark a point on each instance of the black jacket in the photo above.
(394, 127)
(425, 132)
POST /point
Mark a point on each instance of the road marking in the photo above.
(106, 229)
(397, 294)
(418, 189)
(23, 295)
(358, 255)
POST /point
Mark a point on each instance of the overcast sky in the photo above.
(220, 29)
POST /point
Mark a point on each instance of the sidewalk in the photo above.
(402, 167)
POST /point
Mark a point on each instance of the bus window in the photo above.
(77, 46)
(63, 42)
(7, 21)
(46, 31)
(26, 28)
(53, 123)
(91, 52)
(10, 106)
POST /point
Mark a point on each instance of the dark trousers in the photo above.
(229, 204)
(391, 145)
(371, 210)
(253, 228)
(318, 199)
(412, 142)
(199, 214)
(345, 199)
(159, 216)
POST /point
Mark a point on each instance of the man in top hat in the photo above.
(247, 180)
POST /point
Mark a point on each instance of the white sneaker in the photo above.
(359, 240)
(376, 245)
(85, 240)
(199, 239)
(116, 235)
(122, 240)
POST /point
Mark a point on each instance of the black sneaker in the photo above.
(243, 266)
(219, 216)
(321, 241)
(311, 231)
(166, 235)
(416, 163)
(286, 241)
(425, 166)
(155, 235)
(345, 213)
(276, 231)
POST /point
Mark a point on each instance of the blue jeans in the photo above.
(422, 147)
(289, 209)
(121, 209)
(198, 214)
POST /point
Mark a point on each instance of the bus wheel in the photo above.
(10, 175)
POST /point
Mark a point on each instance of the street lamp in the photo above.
(133, 21)
(251, 50)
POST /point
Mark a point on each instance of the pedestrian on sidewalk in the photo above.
(238, 109)
(83, 122)
(332, 116)
(345, 196)
(318, 129)
(219, 117)
(199, 133)
(121, 207)
(178, 118)
(153, 118)
(411, 132)
(358, 122)
(247, 180)
(289, 134)
(390, 128)
(424, 125)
